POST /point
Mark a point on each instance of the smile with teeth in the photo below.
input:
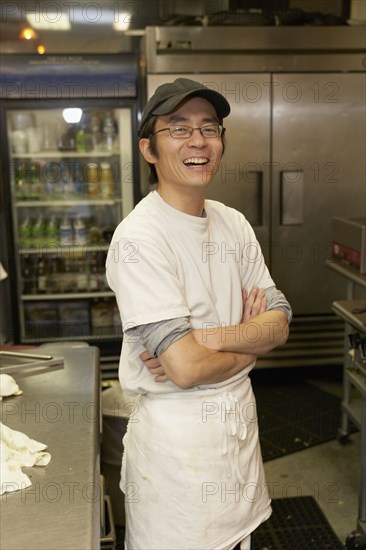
(196, 161)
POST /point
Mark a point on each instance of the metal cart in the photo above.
(353, 313)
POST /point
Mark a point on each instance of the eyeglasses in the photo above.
(184, 132)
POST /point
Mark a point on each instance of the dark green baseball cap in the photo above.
(168, 96)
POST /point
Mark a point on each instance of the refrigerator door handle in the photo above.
(254, 187)
(292, 197)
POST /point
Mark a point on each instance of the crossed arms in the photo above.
(211, 355)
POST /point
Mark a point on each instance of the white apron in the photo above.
(192, 470)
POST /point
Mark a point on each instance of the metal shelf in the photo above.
(67, 202)
(42, 248)
(64, 154)
(86, 338)
(66, 296)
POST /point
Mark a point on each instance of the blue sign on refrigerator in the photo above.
(51, 77)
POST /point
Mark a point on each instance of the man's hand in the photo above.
(228, 363)
(154, 366)
(254, 303)
(259, 331)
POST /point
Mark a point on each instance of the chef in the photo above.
(197, 304)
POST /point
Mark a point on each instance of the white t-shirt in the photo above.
(192, 470)
(163, 264)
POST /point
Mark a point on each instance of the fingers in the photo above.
(263, 306)
(255, 303)
(152, 363)
(161, 378)
(145, 355)
(154, 366)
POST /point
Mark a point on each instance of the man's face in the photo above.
(190, 162)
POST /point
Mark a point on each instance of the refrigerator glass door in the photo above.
(71, 184)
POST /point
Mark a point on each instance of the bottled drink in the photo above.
(53, 275)
(66, 277)
(39, 232)
(81, 145)
(34, 181)
(95, 133)
(50, 181)
(94, 282)
(68, 140)
(109, 131)
(41, 277)
(106, 181)
(54, 185)
(78, 179)
(82, 136)
(26, 233)
(66, 183)
(81, 276)
(80, 236)
(29, 277)
(52, 231)
(20, 187)
(65, 231)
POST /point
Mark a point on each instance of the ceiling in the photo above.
(91, 25)
(92, 21)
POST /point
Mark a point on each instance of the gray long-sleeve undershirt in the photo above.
(157, 337)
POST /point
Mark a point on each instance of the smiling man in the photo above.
(194, 321)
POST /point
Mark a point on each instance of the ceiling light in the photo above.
(41, 49)
(28, 33)
(72, 115)
(49, 21)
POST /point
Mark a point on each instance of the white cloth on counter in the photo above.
(3, 273)
(8, 386)
(18, 450)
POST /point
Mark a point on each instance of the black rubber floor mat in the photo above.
(296, 524)
(293, 417)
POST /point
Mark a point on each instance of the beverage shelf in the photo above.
(53, 248)
(67, 202)
(84, 337)
(64, 154)
(68, 296)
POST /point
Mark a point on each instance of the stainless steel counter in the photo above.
(59, 407)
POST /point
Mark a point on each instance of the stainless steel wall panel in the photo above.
(255, 49)
(291, 197)
(319, 128)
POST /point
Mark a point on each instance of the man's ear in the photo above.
(145, 149)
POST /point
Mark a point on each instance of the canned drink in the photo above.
(106, 181)
(92, 179)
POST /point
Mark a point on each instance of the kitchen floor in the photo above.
(329, 472)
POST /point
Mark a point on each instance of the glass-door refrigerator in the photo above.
(70, 177)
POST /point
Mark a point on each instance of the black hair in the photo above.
(145, 132)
